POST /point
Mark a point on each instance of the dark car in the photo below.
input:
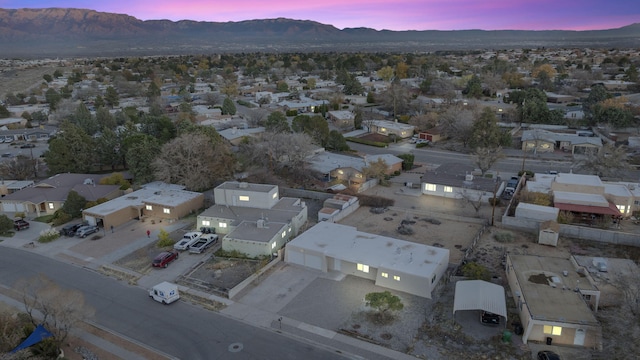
(488, 318)
(70, 230)
(20, 224)
(27, 146)
(548, 355)
(164, 258)
(86, 230)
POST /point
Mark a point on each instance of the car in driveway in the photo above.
(164, 259)
(70, 230)
(86, 231)
(488, 318)
(20, 224)
(27, 146)
(548, 355)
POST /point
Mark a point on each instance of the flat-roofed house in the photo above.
(555, 299)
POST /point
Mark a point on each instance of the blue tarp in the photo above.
(39, 334)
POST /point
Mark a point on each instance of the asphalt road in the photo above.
(180, 329)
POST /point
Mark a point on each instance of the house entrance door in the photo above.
(578, 339)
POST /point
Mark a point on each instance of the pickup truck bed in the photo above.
(203, 243)
(20, 224)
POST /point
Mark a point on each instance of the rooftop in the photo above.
(578, 179)
(326, 162)
(235, 185)
(455, 174)
(550, 294)
(251, 231)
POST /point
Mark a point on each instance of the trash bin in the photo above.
(549, 340)
(517, 329)
(506, 336)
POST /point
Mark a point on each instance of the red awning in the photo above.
(610, 210)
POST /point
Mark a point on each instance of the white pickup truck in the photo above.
(188, 239)
(203, 243)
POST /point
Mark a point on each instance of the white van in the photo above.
(165, 292)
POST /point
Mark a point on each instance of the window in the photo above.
(166, 211)
(51, 206)
(275, 195)
(206, 223)
(433, 279)
(273, 246)
(430, 187)
(243, 198)
(363, 268)
(396, 277)
(149, 207)
(284, 233)
(448, 189)
(553, 330)
(622, 208)
(384, 275)
(222, 225)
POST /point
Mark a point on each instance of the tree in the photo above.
(153, 91)
(104, 119)
(484, 158)
(474, 87)
(83, 118)
(4, 112)
(472, 198)
(228, 107)
(194, 161)
(140, 151)
(74, 204)
(111, 97)
(385, 303)
(358, 117)
(385, 73)
(282, 86)
(53, 98)
(377, 170)
(47, 78)
(609, 162)
(19, 168)
(116, 179)
(597, 94)
(58, 309)
(277, 123)
(407, 161)
(70, 151)
(337, 142)
(485, 132)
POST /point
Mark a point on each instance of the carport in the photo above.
(480, 295)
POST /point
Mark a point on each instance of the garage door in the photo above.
(90, 220)
(293, 256)
(313, 261)
(9, 207)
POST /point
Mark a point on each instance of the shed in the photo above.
(536, 212)
(480, 295)
(548, 233)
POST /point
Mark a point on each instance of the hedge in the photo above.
(366, 142)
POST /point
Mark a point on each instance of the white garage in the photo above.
(480, 295)
(12, 207)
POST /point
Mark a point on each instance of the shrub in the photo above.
(375, 201)
(407, 161)
(60, 217)
(292, 112)
(366, 142)
(565, 217)
(245, 103)
(504, 237)
(421, 145)
(475, 271)
(48, 235)
(6, 224)
(21, 215)
(529, 173)
(396, 173)
(164, 240)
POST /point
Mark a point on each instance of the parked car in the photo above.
(70, 230)
(87, 230)
(20, 224)
(187, 240)
(164, 258)
(27, 146)
(6, 155)
(548, 355)
(488, 318)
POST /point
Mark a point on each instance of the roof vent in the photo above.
(468, 177)
(88, 181)
(243, 185)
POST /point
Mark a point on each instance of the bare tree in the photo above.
(255, 117)
(484, 158)
(377, 170)
(457, 123)
(472, 198)
(19, 168)
(57, 308)
(610, 162)
(194, 161)
(277, 150)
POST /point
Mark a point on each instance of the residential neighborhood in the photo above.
(494, 194)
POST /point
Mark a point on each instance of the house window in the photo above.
(362, 267)
(553, 330)
(340, 172)
(149, 207)
(448, 189)
(622, 208)
(433, 279)
(359, 176)
(430, 187)
(273, 246)
(275, 195)
(51, 206)
(385, 275)
(222, 225)
(206, 223)
(166, 211)
(396, 277)
(284, 233)
(243, 198)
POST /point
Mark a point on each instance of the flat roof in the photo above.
(249, 231)
(283, 212)
(236, 185)
(617, 190)
(347, 243)
(567, 197)
(455, 174)
(325, 162)
(561, 303)
(578, 179)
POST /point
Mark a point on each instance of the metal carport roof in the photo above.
(480, 295)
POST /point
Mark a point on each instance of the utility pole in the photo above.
(495, 190)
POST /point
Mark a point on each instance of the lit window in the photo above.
(149, 207)
(384, 275)
(222, 225)
(430, 187)
(396, 277)
(622, 208)
(362, 267)
(166, 211)
(340, 172)
(553, 330)
(359, 176)
(273, 246)
(275, 195)
(51, 206)
(206, 223)
(448, 189)
(243, 198)
(284, 233)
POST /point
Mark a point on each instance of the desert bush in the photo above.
(504, 237)
(48, 235)
(164, 240)
(366, 142)
(475, 271)
(565, 217)
(21, 215)
(375, 201)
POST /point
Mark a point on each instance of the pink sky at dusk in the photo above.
(379, 14)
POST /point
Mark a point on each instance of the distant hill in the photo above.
(80, 32)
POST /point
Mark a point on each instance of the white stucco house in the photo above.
(391, 263)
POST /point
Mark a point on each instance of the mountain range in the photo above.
(59, 32)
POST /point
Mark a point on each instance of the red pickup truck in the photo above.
(20, 224)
